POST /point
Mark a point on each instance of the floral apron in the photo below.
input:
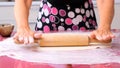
(66, 15)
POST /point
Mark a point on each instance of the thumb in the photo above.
(92, 35)
(37, 35)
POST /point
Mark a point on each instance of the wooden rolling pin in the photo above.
(66, 39)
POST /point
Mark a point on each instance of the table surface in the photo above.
(32, 56)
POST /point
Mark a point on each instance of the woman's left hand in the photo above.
(102, 34)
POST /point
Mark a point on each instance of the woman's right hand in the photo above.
(26, 36)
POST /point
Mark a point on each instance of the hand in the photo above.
(26, 36)
(102, 34)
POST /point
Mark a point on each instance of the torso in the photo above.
(62, 15)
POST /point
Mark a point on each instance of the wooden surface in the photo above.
(63, 39)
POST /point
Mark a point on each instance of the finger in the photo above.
(109, 36)
(37, 35)
(112, 36)
(92, 35)
(31, 39)
(106, 37)
(15, 36)
(20, 38)
(99, 37)
(26, 41)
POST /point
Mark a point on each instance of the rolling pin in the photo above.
(66, 39)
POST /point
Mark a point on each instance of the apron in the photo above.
(66, 15)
